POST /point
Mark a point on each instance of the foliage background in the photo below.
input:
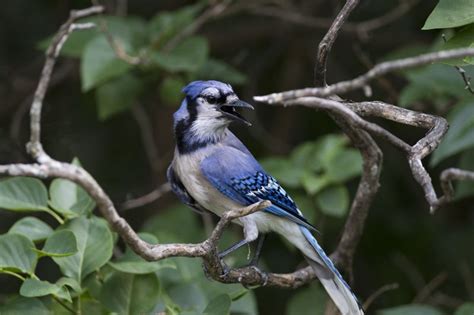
(92, 116)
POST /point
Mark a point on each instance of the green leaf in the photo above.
(412, 309)
(31, 227)
(465, 309)
(188, 296)
(60, 244)
(460, 135)
(132, 263)
(344, 166)
(36, 288)
(17, 253)
(187, 56)
(163, 26)
(130, 294)
(329, 146)
(432, 82)
(170, 90)
(24, 306)
(214, 69)
(307, 301)
(449, 13)
(69, 198)
(118, 95)
(99, 63)
(284, 171)
(334, 201)
(23, 194)
(220, 305)
(69, 282)
(461, 39)
(313, 183)
(94, 243)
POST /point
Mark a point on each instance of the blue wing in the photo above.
(235, 173)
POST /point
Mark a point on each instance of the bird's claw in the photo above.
(263, 276)
(225, 271)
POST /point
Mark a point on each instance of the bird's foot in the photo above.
(262, 274)
(224, 273)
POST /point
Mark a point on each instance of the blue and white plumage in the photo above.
(212, 170)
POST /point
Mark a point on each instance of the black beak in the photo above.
(229, 110)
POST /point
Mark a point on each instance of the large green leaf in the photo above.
(132, 263)
(36, 288)
(188, 296)
(118, 95)
(23, 194)
(100, 64)
(94, 243)
(60, 244)
(188, 56)
(334, 200)
(460, 135)
(344, 166)
(220, 305)
(31, 227)
(307, 301)
(69, 198)
(130, 294)
(313, 183)
(450, 13)
(17, 253)
(24, 306)
(214, 69)
(412, 309)
(465, 309)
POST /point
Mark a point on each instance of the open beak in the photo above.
(230, 110)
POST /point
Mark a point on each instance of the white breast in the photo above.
(188, 169)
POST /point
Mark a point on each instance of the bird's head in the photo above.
(208, 108)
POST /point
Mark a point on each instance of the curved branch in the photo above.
(363, 80)
(324, 47)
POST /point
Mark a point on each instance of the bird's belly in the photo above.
(188, 170)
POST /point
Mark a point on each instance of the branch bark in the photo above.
(363, 80)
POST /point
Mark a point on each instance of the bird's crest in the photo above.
(193, 89)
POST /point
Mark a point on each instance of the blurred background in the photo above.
(116, 118)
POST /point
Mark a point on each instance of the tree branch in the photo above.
(362, 80)
(324, 47)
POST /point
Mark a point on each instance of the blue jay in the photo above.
(212, 170)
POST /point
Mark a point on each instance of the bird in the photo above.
(212, 170)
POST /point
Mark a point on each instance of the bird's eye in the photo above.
(211, 99)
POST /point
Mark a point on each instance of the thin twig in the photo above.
(213, 11)
(380, 291)
(326, 43)
(116, 45)
(152, 196)
(148, 139)
(462, 72)
(427, 290)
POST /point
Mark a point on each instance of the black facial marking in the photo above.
(181, 130)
